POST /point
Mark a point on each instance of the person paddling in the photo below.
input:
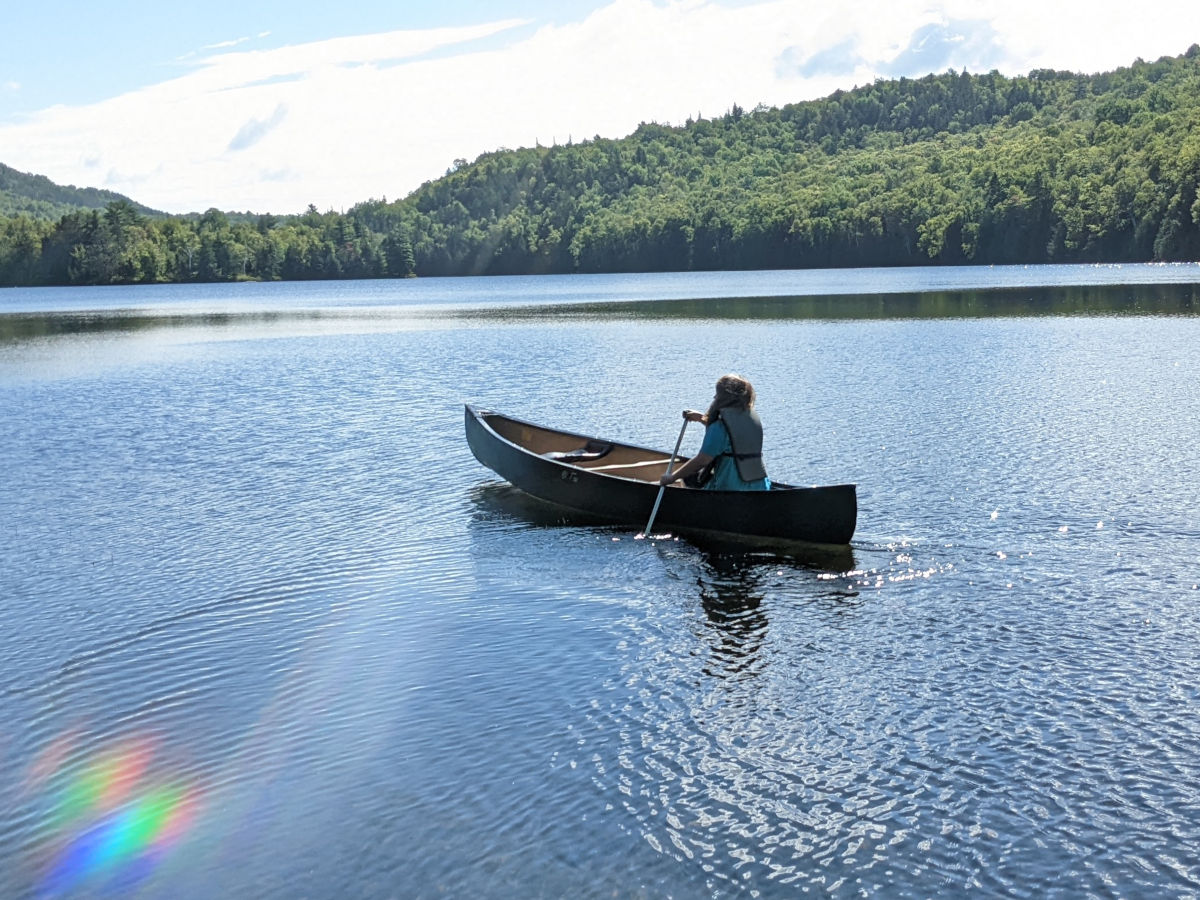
(730, 459)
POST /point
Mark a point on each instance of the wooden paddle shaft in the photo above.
(670, 469)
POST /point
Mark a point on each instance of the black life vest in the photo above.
(746, 439)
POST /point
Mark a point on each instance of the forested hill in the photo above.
(38, 196)
(951, 168)
(946, 169)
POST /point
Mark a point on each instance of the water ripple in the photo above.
(261, 601)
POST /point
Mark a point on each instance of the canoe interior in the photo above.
(618, 460)
(608, 457)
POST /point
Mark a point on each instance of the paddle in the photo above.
(663, 487)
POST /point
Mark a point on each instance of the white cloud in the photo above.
(343, 120)
(225, 44)
(10, 87)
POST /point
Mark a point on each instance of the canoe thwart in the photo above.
(612, 467)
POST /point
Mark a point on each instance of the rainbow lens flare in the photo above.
(115, 819)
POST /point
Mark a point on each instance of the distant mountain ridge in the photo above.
(38, 196)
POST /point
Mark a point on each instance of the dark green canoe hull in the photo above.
(515, 450)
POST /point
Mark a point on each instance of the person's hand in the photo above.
(692, 416)
(666, 479)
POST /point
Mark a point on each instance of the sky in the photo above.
(271, 106)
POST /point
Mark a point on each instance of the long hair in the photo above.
(732, 391)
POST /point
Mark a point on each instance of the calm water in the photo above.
(269, 630)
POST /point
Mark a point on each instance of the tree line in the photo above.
(946, 169)
(119, 245)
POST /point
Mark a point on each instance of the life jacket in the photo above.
(746, 439)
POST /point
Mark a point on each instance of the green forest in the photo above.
(38, 196)
(947, 169)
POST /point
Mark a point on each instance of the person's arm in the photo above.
(697, 462)
(692, 466)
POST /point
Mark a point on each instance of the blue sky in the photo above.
(270, 106)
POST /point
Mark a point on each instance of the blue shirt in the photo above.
(725, 475)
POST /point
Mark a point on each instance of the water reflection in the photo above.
(731, 594)
(732, 580)
(28, 326)
(1140, 300)
(501, 500)
(733, 586)
(1117, 299)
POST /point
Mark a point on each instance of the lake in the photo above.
(269, 630)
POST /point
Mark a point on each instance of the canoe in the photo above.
(618, 483)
